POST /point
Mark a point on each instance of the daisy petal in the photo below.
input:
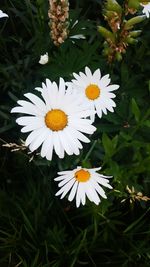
(58, 146)
(88, 72)
(39, 140)
(65, 189)
(91, 194)
(32, 136)
(73, 191)
(36, 101)
(97, 74)
(80, 195)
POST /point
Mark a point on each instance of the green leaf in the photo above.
(146, 123)
(7, 127)
(109, 145)
(135, 110)
(134, 224)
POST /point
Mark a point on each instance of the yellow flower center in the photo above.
(56, 120)
(82, 176)
(92, 91)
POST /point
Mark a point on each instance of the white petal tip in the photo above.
(12, 110)
(3, 15)
(97, 203)
(38, 89)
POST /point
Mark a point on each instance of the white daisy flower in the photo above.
(2, 14)
(146, 8)
(82, 182)
(44, 59)
(57, 123)
(96, 90)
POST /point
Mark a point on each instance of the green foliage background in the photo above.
(37, 229)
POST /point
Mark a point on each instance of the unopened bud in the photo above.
(133, 4)
(135, 33)
(131, 40)
(131, 22)
(118, 56)
(106, 34)
(107, 51)
(112, 5)
(110, 14)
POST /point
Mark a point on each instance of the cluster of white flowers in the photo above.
(60, 121)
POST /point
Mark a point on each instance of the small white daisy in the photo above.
(2, 14)
(96, 90)
(44, 59)
(146, 8)
(57, 123)
(82, 182)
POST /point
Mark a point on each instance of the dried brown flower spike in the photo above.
(133, 195)
(58, 14)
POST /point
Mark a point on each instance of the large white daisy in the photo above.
(146, 8)
(57, 123)
(96, 90)
(82, 182)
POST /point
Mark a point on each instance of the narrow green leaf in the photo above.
(135, 110)
(107, 144)
(132, 225)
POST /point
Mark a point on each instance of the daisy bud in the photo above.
(43, 59)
